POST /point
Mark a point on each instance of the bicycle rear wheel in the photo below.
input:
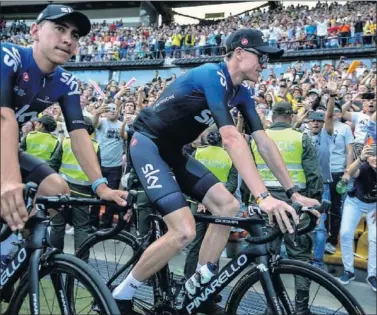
(84, 292)
(326, 294)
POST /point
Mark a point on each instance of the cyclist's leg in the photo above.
(35, 170)
(197, 181)
(49, 184)
(164, 193)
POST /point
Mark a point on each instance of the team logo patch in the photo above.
(133, 142)
(244, 41)
(25, 76)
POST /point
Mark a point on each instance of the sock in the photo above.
(198, 266)
(126, 290)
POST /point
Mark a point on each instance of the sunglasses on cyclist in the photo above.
(263, 59)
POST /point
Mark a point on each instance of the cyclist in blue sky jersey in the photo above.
(31, 80)
(197, 99)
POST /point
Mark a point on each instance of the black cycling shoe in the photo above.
(126, 307)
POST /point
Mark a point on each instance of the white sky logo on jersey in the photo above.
(222, 79)
(70, 80)
(205, 117)
(12, 58)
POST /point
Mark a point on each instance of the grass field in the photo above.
(49, 303)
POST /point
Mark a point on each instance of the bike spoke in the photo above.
(44, 294)
(107, 267)
(315, 295)
(89, 305)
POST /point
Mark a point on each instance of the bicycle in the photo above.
(260, 267)
(43, 271)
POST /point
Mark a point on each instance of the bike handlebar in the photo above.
(276, 232)
(62, 201)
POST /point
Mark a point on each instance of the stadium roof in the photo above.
(28, 7)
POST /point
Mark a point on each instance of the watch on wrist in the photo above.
(262, 196)
(333, 95)
(291, 191)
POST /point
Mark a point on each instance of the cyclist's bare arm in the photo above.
(238, 150)
(12, 204)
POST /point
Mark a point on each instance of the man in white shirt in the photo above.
(322, 26)
(360, 121)
(275, 32)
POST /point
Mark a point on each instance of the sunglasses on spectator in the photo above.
(262, 58)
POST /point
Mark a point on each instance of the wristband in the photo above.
(333, 95)
(262, 196)
(291, 191)
(361, 161)
(98, 182)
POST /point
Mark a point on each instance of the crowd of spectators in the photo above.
(291, 28)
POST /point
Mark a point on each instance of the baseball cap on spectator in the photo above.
(282, 108)
(48, 121)
(314, 91)
(251, 38)
(317, 115)
(296, 88)
(58, 12)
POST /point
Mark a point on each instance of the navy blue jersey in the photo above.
(194, 101)
(28, 91)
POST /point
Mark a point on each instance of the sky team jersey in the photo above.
(28, 91)
(194, 101)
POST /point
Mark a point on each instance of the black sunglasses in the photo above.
(263, 59)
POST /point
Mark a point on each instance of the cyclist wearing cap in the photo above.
(31, 80)
(197, 99)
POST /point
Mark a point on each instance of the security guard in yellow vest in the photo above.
(65, 162)
(41, 143)
(302, 164)
(217, 160)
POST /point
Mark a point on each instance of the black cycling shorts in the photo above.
(33, 169)
(167, 173)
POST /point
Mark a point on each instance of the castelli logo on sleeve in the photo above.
(25, 76)
(133, 142)
(244, 41)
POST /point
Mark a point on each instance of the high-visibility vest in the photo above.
(41, 144)
(216, 159)
(70, 168)
(289, 143)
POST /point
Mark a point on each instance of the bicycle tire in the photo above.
(298, 268)
(78, 270)
(123, 237)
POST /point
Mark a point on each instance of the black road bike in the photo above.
(42, 280)
(266, 280)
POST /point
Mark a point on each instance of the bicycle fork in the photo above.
(33, 277)
(268, 285)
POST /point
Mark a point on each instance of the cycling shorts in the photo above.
(167, 173)
(33, 169)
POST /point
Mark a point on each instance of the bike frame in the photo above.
(259, 254)
(27, 261)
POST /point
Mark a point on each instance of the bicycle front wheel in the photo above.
(112, 257)
(324, 294)
(66, 286)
